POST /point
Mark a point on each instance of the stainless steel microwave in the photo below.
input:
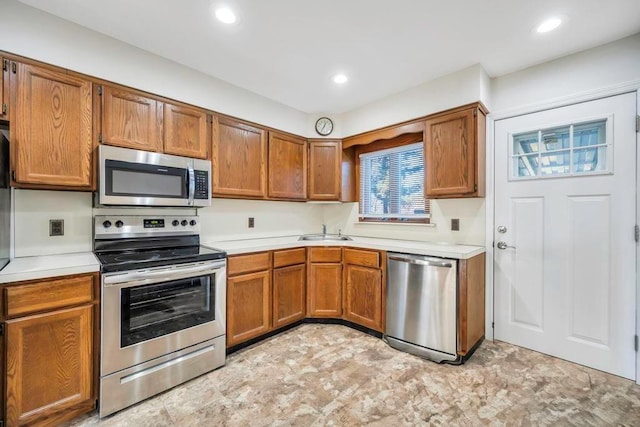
(142, 178)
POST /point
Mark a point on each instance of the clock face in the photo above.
(324, 126)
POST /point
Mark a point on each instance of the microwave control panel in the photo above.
(202, 185)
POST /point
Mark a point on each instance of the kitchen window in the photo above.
(392, 183)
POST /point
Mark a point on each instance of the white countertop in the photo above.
(444, 250)
(39, 267)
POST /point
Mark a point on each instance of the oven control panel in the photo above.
(138, 225)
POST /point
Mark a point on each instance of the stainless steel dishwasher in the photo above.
(422, 306)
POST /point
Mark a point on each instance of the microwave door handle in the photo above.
(192, 184)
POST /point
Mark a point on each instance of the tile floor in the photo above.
(330, 375)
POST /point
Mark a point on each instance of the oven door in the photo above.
(149, 313)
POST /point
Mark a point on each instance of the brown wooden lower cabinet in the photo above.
(51, 349)
(471, 311)
(324, 290)
(289, 294)
(248, 306)
(363, 296)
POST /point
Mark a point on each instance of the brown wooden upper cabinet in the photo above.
(185, 131)
(454, 149)
(287, 167)
(132, 119)
(51, 135)
(4, 89)
(239, 157)
(325, 179)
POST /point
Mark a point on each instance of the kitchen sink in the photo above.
(325, 237)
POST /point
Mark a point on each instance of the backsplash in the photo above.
(227, 219)
(470, 212)
(34, 209)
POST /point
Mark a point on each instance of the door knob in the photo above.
(503, 245)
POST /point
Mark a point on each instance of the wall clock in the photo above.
(324, 126)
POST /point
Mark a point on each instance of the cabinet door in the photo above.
(248, 306)
(131, 120)
(364, 296)
(288, 294)
(49, 364)
(185, 131)
(4, 89)
(325, 158)
(239, 158)
(450, 154)
(51, 129)
(287, 167)
(324, 290)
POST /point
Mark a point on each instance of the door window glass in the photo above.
(574, 149)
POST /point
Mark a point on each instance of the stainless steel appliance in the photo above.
(134, 177)
(5, 200)
(422, 306)
(163, 316)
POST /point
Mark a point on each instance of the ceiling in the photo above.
(288, 50)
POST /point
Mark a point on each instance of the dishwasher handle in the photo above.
(431, 262)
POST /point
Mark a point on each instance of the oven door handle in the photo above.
(127, 280)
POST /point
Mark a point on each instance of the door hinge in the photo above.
(100, 90)
(100, 137)
(475, 112)
(637, 233)
(14, 67)
(5, 65)
(1, 334)
(13, 175)
(635, 343)
(493, 325)
(4, 108)
(638, 123)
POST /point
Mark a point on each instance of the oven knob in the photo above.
(106, 224)
(175, 223)
(192, 222)
(184, 223)
(119, 223)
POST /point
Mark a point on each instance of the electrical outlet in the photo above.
(252, 222)
(56, 227)
(455, 224)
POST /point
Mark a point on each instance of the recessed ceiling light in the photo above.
(340, 79)
(549, 25)
(225, 15)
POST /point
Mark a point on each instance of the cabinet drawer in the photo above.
(238, 264)
(289, 257)
(325, 254)
(364, 258)
(47, 295)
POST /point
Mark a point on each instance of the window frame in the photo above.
(379, 145)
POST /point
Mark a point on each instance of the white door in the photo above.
(565, 210)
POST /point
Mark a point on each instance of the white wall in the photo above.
(34, 209)
(452, 90)
(227, 219)
(565, 79)
(35, 34)
(470, 212)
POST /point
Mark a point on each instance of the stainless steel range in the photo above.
(163, 306)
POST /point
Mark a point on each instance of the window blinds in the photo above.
(392, 183)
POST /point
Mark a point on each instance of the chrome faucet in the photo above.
(324, 229)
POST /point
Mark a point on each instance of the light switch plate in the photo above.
(56, 227)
